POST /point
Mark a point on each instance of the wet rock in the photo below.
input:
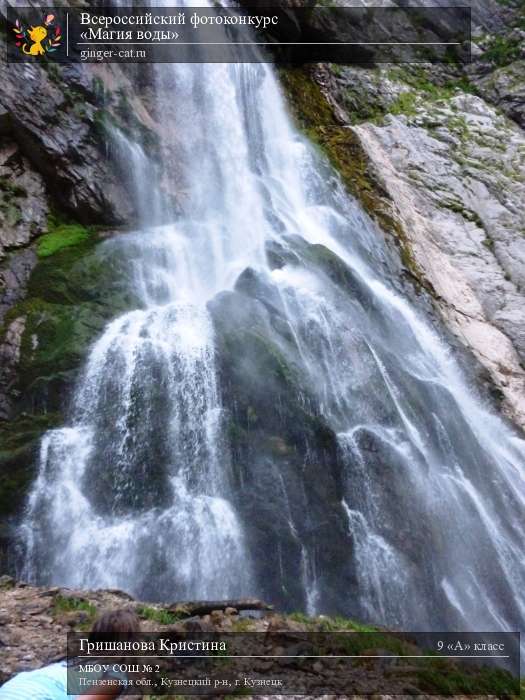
(283, 453)
(56, 135)
(70, 297)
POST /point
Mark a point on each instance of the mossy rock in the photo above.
(343, 148)
(88, 271)
(71, 296)
(64, 236)
(55, 341)
(19, 441)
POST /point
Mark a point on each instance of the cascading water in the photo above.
(139, 490)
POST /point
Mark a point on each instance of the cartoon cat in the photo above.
(37, 35)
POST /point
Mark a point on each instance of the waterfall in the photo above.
(137, 490)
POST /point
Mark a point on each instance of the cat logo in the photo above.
(39, 40)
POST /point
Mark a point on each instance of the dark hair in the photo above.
(116, 624)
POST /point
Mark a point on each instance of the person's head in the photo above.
(116, 624)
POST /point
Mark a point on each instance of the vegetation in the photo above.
(418, 78)
(502, 51)
(442, 678)
(63, 604)
(324, 623)
(405, 103)
(63, 235)
(159, 615)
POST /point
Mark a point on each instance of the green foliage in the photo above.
(460, 126)
(342, 624)
(301, 617)
(405, 103)
(444, 679)
(63, 604)
(502, 51)
(159, 615)
(420, 82)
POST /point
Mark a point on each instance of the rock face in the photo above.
(56, 135)
(280, 446)
(437, 156)
(459, 196)
(60, 192)
(504, 88)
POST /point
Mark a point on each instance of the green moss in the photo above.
(122, 117)
(71, 295)
(325, 623)
(103, 121)
(63, 236)
(102, 96)
(54, 343)
(52, 70)
(86, 272)
(270, 361)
